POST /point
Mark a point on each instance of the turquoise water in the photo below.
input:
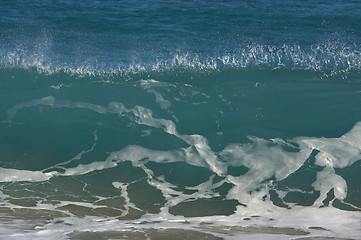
(239, 119)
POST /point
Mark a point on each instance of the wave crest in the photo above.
(330, 58)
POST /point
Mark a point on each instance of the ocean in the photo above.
(180, 119)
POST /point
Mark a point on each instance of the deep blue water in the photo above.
(211, 113)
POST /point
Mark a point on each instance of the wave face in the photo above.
(205, 120)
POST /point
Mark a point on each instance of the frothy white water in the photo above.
(334, 153)
(263, 158)
(15, 175)
(287, 224)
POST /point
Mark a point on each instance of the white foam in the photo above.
(46, 101)
(337, 224)
(149, 86)
(15, 175)
(263, 158)
(128, 204)
(327, 179)
(59, 86)
(336, 152)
